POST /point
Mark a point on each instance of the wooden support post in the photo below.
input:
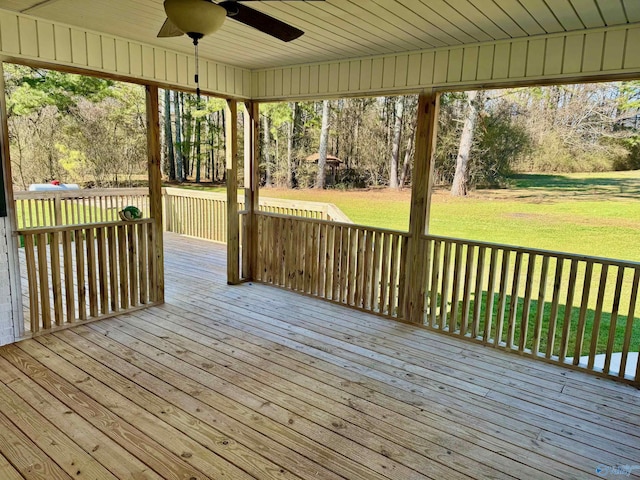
(9, 222)
(155, 188)
(233, 221)
(416, 268)
(251, 194)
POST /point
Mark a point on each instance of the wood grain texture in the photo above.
(252, 381)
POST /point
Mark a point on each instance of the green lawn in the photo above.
(592, 214)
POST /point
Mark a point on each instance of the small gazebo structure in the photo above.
(332, 166)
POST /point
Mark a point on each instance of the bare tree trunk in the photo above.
(266, 145)
(408, 155)
(179, 162)
(198, 146)
(461, 179)
(395, 147)
(168, 135)
(291, 133)
(324, 143)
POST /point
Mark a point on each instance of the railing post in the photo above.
(251, 193)
(416, 268)
(233, 225)
(155, 187)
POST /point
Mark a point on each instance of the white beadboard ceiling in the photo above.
(341, 29)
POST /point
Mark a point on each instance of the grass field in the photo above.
(592, 214)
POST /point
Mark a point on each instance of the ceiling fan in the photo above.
(198, 18)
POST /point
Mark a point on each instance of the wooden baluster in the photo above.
(502, 301)
(584, 305)
(122, 263)
(32, 279)
(67, 239)
(542, 288)
(384, 277)
(143, 254)
(615, 308)
(152, 263)
(368, 269)
(477, 293)
(393, 282)
(553, 317)
(322, 260)
(103, 274)
(335, 259)
(402, 275)
(513, 304)
(491, 286)
(132, 255)
(526, 307)
(455, 290)
(375, 272)
(113, 268)
(597, 318)
(566, 326)
(56, 278)
(466, 299)
(43, 273)
(626, 343)
(80, 274)
(92, 272)
(314, 262)
(444, 295)
(353, 265)
(434, 287)
(344, 265)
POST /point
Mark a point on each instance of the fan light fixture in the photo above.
(196, 18)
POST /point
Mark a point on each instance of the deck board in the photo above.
(253, 381)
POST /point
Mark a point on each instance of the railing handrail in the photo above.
(83, 193)
(337, 224)
(79, 226)
(537, 251)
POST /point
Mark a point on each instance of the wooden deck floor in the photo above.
(255, 382)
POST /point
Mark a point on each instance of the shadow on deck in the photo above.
(252, 381)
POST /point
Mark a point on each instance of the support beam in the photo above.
(11, 325)
(251, 193)
(426, 132)
(155, 188)
(233, 221)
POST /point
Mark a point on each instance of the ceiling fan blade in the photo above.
(168, 29)
(261, 21)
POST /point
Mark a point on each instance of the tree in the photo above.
(168, 135)
(395, 146)
(459, 188)
(324, 144)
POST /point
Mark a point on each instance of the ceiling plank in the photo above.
(588, 12)
(38, 5)
(612, 11)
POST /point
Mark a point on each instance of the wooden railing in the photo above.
(204, 214)
(563, 308)
(85, 272)
(358, 266)
(75, 207)
(195, 213)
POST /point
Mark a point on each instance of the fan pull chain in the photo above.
(197, 75)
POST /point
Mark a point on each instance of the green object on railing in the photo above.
(130, 213)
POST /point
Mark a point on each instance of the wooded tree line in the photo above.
(73, 128)
(86, 130)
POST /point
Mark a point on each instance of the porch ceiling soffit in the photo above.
(350, 47)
